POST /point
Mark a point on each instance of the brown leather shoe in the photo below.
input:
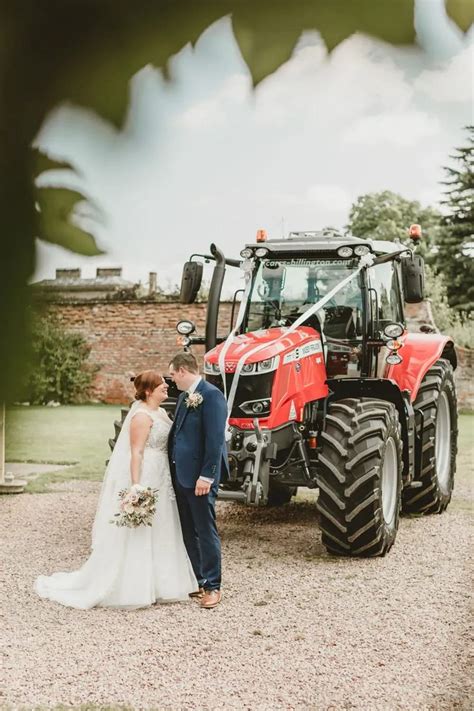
(211, 598)
(197, 594)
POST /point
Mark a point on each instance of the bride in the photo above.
(132, 567)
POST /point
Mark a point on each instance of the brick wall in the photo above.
(134, 335)
(131, 336)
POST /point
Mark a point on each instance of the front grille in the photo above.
(250, 387)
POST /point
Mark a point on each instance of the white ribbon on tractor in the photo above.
(248, 266)
(365, 261)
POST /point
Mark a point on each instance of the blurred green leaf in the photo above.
(462, 12)
(268, 31)
(42, 162)
(56, 206)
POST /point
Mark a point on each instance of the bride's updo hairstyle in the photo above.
(146, 381)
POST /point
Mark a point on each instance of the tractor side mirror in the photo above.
(190, 282)
(413, 278)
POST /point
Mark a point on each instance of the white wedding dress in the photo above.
(131, 567)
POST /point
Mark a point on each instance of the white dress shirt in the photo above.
(189, 391)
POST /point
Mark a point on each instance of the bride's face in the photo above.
(160, 393)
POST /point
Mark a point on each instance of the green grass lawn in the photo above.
(79, 434)
(70, 434)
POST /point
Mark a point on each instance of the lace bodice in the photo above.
(158, 436)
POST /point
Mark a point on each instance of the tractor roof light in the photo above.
(361, 250)
(415, 232)
(345, 252)
(261, 252)
(261, 236)
(247, 253)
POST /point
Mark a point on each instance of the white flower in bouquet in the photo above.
(137, 507)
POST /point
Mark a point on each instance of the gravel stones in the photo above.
(297, 629)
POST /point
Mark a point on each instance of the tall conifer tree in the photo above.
(455, 258)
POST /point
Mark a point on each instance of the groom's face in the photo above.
(180, 377)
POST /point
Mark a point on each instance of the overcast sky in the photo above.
(204, 158)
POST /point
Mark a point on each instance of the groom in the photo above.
(198, 457)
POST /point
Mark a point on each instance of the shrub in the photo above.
(460, 327)
(59, 369)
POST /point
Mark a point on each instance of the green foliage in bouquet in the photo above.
(59, 369)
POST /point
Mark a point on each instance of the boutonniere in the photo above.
(193, 400)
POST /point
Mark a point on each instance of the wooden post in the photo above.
(8, 485)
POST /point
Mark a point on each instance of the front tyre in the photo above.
(360, 477)
(435, 407)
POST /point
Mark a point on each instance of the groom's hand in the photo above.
(202, 487)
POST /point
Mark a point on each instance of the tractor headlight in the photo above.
(345, 252)
(248, 368)
(265, 366)
(361, 250)
(247, 253)
(394, 359)
(256, 407)
(211, 368)
(184, 328)
(393, 330)
(260, 252)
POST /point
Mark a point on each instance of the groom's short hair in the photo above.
(185, 360)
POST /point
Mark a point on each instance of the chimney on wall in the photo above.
(68, 273)
(152, 284)
(104, 272)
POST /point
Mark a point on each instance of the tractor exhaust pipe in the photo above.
(214, 297)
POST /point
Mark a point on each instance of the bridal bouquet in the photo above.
(137, 506)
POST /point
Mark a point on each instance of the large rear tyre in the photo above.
(436, 402)
(360, 477)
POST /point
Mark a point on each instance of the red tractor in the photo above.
(326, 388)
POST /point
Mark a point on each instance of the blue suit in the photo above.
(197, 448)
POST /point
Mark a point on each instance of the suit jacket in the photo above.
(197, 444)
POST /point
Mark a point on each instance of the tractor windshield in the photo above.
(283, 290)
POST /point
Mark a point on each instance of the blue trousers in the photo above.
(198, 523)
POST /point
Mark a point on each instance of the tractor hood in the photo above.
(273, 341)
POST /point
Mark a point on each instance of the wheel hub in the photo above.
(390, 482)
(443, 442)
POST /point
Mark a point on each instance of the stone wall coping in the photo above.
(116, 299)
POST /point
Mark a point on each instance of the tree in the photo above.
(454, 259)
(387, 216)
(59, 369)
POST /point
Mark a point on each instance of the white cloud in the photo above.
(332, 89)
(399, 129)
(452, 81)
(214, 111)
(328, 197)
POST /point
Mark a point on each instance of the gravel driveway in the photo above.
(297, 629)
